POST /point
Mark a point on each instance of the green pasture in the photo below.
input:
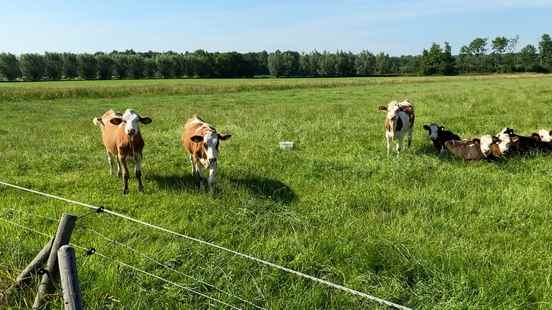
(424, 231)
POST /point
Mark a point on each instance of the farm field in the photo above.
(417, 229)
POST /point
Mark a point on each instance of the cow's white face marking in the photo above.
(545, 135)
(433, 131)
(211, 142)
(485, 144)
(131, 122)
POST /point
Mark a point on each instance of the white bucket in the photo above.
(286, 145)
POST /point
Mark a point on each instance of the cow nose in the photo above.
(212, 161)
(131, 132)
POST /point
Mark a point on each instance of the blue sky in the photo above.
(393, 26)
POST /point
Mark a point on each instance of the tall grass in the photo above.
(10, 92)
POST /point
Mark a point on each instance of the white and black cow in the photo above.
(439, 136)
(399, 122)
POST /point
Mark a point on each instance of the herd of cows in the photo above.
(399, 123)
(123, 141)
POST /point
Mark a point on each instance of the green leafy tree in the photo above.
(545, 52)
(327, 64)
(122, 65)
(530, 59)
(447, 64)
(365, 63)
(136, 66)
(275, 64)
(478, 49)
(344, 63)
(9, 67)
(150, 68)
(383, 63)
(204, 63)
(431, 60)
(165, 66)
(105, 66)
(262, 63)
(88, 67)
(53, 63)
(308, 65)
(32, 67)
(70, 66)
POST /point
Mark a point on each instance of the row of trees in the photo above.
(129, 64)
(480, 56)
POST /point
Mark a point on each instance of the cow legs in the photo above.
(109, 162)
(124, 166)
(409, 136)
(138, 171)
(119, 170)
(196, 172)
(193, 165)
(398, 145)
(389, 139)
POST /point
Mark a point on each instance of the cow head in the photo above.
(433, 130)
(210, 144)
(505, 137)
(131, 121)
(545, 135)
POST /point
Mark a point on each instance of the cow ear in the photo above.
(476, 141)
(97, 121)
(197, 139)
(116, 121)
(441, 128)
(426, 127)
(224, 136)
(382, 108)
(145, 120)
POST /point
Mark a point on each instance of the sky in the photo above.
(396, 27)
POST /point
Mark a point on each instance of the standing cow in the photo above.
(123, 141)
(202, 141)
(398, 123)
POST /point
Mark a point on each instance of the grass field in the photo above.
(419, 230)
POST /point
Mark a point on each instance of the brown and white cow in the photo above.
(123, 141)
(492, 147)
(398, 123)
(486, 147)
(465, 149)
(202, 141)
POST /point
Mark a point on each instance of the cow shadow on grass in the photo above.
(265, 188)
(426, 149)
(186, 182)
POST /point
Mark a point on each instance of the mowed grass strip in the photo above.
(417, 229)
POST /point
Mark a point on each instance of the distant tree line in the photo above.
(481, 56)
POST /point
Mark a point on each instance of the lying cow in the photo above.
(398, 123)
(202, 141)
(123, 141)
(465, 149)
(486, 147)
(523, 145)
(491, 147)
(439, 136)
(545, 135)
